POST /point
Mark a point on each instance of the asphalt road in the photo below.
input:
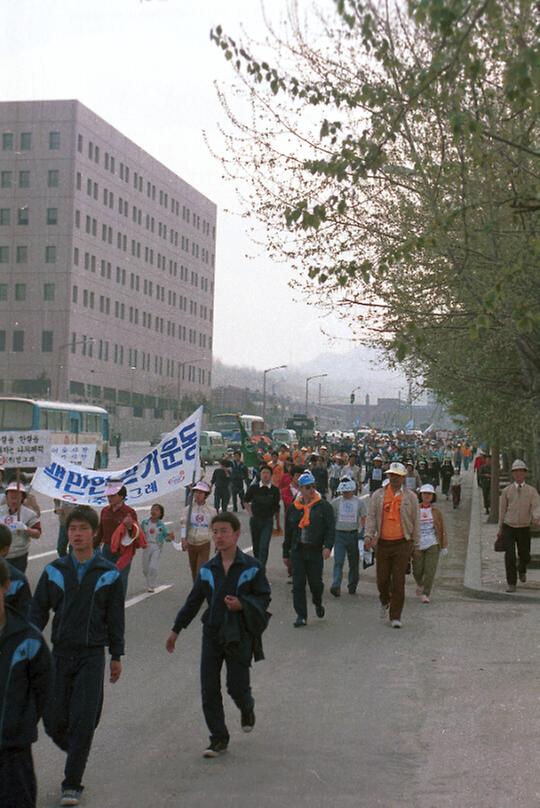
(349, 711)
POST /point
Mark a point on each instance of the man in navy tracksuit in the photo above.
(85, 592)
(25, 667)
(237, 593)
(18, 596)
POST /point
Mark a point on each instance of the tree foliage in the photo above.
(392, 153)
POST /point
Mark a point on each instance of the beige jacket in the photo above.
(409, 515)
(519, 508)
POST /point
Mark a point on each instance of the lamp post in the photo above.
(268, 370)
(308, 379)
(352, 406)
(59, 359)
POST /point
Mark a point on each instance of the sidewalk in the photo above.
(484, 568)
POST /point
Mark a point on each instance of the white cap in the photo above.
(397, 468)
(427, 488)
(519, 465)
(346, 484)
(113, 487)
(16, 486)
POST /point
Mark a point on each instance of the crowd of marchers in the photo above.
(365, 505)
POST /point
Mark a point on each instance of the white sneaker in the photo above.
(383, 612)
(396, 624)
(150, 589)
(425, 599)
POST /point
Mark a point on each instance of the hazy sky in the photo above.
(148, 67)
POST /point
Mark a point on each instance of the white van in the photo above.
(213, 447)
(287, 436)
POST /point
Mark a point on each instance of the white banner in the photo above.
(25, 450)
(76, 454)
(167, 467)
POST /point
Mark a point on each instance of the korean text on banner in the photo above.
(167, 467)
(25, 450)
(77, 454)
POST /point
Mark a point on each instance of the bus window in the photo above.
(74, 424)
(16, 415)
(90, 422)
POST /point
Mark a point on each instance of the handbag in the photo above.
(498, 546)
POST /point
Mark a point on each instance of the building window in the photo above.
(47, 341)
(76, 256)
(3, 291)
(24, 179)
(52, 215)
(22, 254)
(50, 254)
(26, 141)
(18, 341)
(6, 179)
(77, 218)
(54, 140)
(48, 291)
(79, 143)
(53, 178)
(7, 141)
(4, 255)
(20, 291)
(2, 340)
(5, 216)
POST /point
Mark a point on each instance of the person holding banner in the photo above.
(114, 514)
(22, 521)
(196, 533)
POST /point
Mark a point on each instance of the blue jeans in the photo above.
(346, 545)
(261, 533)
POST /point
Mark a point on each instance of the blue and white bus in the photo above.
(67, 422)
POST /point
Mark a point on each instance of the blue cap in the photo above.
(306, 478)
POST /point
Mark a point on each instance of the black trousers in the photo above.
(221, 498)
(238, 684)
(237, 493)
(17, 779)
(513, 537)
(20, 562)
(307, 567)
(74, 709)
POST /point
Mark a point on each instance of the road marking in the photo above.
(42, 555)
(139, 598)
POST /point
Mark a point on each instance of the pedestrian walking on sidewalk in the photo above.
(519, 506)
(433, 543)
(393, 530)
(238, 594)
(456, 481)
(350, 516)
(309, 538)
(85, 592)
(484, 480)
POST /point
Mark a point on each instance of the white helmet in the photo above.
(519, 465)
(346, 484)
(397, 468)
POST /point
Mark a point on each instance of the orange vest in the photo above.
(391, 528)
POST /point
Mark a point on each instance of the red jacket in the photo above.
(127, 551)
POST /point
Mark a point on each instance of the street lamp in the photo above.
(268, 370)
(59, 359)
(309, 378)
(352, 405)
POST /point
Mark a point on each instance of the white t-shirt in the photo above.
(427, 530)
(26, 518)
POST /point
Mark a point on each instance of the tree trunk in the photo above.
(495, 469)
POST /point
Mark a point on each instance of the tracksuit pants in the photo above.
(17, 778)
(74, 709)
(307, 567)
(238, 684)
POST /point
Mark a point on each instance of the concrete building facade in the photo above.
(107, 263)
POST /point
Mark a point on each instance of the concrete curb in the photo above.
(472, 582)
